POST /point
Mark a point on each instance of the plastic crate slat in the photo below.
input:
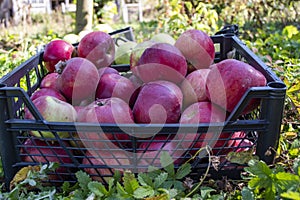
(27, 125)
(251, 93)
(17, 73)
(254, 60)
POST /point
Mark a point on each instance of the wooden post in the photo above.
(84, 15)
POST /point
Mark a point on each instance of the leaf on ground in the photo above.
(159, 197)
(21, 175)
(242, 157)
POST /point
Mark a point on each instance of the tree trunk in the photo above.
(84, 15)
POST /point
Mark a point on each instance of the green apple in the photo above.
(163, 37)
(71, 38)
(123, 52)
(52, 110)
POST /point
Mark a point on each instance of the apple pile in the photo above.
(172, 82)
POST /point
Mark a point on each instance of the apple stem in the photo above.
(60, 66)
(99, 103)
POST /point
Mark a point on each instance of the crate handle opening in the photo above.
(2, 85)
(277, 85)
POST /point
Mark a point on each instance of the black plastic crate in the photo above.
(261, 127)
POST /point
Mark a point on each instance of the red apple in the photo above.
(240, 142)
(111, 110)
(47, 92)
(193, 87)
(37, 151)
(101, 165)
(50, 81)
(98, 47)
(79, 111)
(149, 151)
(52, 110)
(229, 79)
(114, 85)
(137, 82)
(107, 70)
(137, 52)
(161, 61)
(78, 80)
(138, 85)
(55, 51)
(158, 102)
(197, 47)
(203, 112)
(134, 96)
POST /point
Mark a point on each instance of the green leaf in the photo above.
(167, 163)
(254, 182)
(67, 188)
(258, 168)
(160, 179)
(183, 171)
(117, 175)
(291, 195)
(144, 179)
(290, 30)
(97, 188)
(83, 179)
(247, 194)
(205, 192)
(178, 185)
(152, 168)
(14, 194)
(143, 192)
(172, 193)
(130, 182)
(111, 185)
(270, 193)
(295, 88)
(285, 176)
(188, 5)
(168, 184)
(121, 191)
(287, 180)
